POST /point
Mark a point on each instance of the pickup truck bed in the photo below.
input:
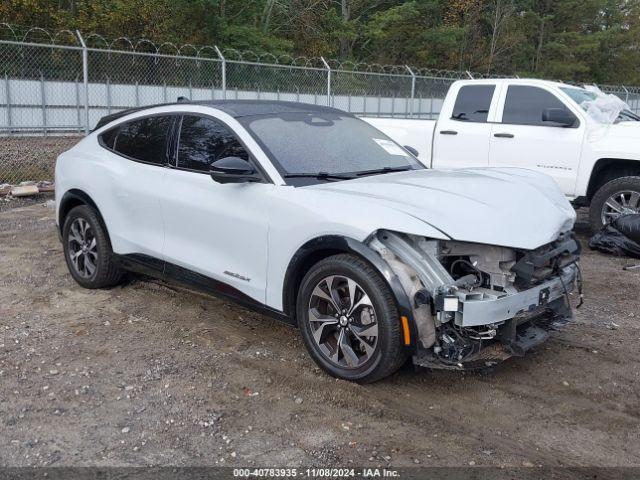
(413, 132)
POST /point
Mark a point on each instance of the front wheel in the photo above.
(349, 320)
(614, 199)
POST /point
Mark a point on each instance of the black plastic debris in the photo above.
(621, 237)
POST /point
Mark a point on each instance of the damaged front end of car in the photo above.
(475, 305)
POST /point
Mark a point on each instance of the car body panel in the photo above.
(218, 230)
(507, 207)
(127, 193)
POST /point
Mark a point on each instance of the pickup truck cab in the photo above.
(588, 142)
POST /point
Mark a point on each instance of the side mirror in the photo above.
(560, 116)
(412, 150)
(233, 170)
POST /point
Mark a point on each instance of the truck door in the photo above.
(524, 137)
(461, 137)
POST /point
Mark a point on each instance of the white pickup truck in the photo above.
(587, 141)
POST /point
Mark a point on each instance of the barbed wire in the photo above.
(94, 40)
(123, 44)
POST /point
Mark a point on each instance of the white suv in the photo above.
(317, 218)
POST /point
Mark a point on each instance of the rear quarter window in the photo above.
(144, 139)
(108, 138)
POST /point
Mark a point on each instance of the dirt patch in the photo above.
(147, 374)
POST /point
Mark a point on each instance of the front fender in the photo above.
(324, 246)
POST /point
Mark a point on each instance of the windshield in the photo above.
(601, 107)
(337, 145)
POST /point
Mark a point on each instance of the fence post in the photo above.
(8, 95)
(43, 103)
(413, 89)
(224, 71)
(78, 113)
(108, 95)
(85, 77)
(326, 65)
(626, 94)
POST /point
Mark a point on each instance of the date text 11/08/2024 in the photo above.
(316, 472)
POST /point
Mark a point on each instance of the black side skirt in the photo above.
(168, 272)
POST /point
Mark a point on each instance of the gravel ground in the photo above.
(31, 158)
(149, 374)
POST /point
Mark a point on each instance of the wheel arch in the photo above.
(607, 169)
(74, 198)
(322, 247)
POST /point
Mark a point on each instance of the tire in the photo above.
(93, 266)
(375, 356)
(630, 185)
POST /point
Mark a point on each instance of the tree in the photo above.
(499, 15)
(579, 40)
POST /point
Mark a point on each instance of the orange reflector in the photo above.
(405, 330)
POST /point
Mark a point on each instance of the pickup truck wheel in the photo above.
(349, 321)
(615, 198)
(87, 249)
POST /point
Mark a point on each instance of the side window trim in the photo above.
(174, 138)
(176, 147)
(166, 163)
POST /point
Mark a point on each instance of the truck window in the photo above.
(473, 102)
(524, 105)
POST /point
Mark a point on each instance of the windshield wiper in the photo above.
(320, 176)
(383, 170)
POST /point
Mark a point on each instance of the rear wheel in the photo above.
(87, 249)
(615, 198)
(349, 321)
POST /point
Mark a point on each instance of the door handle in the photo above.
(503, 135)
(448, 132)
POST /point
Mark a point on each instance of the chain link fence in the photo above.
(62, 83)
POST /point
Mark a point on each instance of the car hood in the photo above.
(616, 131)
(625, 130)
(509, 207)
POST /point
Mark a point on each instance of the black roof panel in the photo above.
(245, 108)
(235, 108)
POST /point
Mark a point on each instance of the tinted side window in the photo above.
(524, 105)
(473, 102)
(145, 139)
(108, 138)
(203, 141)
